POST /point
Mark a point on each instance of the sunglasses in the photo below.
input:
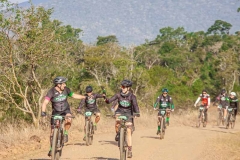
(123, 87)
(165, 93)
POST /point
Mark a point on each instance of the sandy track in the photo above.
(180, 142)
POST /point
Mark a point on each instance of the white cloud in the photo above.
(17, 1)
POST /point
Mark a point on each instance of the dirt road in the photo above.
(181, 142)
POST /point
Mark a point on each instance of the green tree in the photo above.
(219, 27)
(107, 39)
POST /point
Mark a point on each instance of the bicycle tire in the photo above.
(199, 120)
(232, 120)
(87, 132)
(122, 144)
(54, 143)
(228, 120)
(91, 133)
(161, 126)
(219, 118)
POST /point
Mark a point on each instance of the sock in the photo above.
(159, 128)
(167, 119)
(66, 132)
(129, 148)
(50, 148)
(95, 124)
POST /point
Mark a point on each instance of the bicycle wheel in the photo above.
(122, 144)
(228, 120)
(232, 121)
(199, 120)
(91, 133)
(54, 144)
(204, 120)
(162, 129)
(87, 132)
(219, 118)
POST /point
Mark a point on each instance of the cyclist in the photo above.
(222, 98)
(164, 101)
(58, 96)
(127, 106)
(205, 102)
(233, 103)
(90, 106)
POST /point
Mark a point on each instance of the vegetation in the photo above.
(34, 49)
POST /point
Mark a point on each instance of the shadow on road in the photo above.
(40, 159)
(150, 137)
(104, 158)
(108, 142)
(73, 144)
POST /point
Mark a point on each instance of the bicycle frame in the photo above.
(230, 117)
(201, 117)
(162, 115)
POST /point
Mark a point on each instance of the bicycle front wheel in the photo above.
(87, 133)
(162, 128)
(122, 144)
(55, 156)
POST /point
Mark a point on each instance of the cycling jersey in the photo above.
(223, 100)
(205, 99)
(126, 103)
(233, 102)
(90, 102)
(59, 100)
(164, 102)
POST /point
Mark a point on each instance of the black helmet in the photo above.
(126, 83)
(204, 90)
(223, 91)
(89, 89)
(59, 80)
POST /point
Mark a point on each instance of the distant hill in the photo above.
(133, 21)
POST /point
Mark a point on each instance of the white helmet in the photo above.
(233, 94)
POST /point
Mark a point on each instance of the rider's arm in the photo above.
(77, 96)
(113, 98)
(197, 101)
(171, 103)
(135, 104)
(44, 105)
(81, 104)
(99, 96)
(157, 102)
(209, 101)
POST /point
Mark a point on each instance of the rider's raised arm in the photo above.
(113, 98)
(135, 104)
(44, 105)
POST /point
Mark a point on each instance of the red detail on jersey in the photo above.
(204, 100)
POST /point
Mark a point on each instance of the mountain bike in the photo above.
(162, 113)
(58, 136)
(230, 118)
(122, 131)
(220, 118)
(89, 128)
(201, 117)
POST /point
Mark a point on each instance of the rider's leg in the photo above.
(129, 138)
(97, 118)
(68, 122)
(206, 115)
(168, 116)
(158, 124)
(117, 123)
(225, 113)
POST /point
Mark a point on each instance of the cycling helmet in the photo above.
(223, 91)
(165, 90)
(59, 80)
(126, 83)
(233, 94)
(89, 89)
